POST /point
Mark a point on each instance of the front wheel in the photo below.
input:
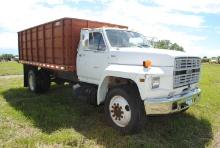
(124, 110)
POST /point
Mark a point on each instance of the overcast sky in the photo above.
(195, 25)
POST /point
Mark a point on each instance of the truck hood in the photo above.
(136, 56)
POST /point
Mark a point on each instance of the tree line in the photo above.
(6, 57)
(167, 44)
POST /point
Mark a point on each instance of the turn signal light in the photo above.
(147, 63)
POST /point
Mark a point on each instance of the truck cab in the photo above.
(133, 78)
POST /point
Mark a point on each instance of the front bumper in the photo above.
(173, 104)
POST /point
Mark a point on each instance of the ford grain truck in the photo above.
(116, 66)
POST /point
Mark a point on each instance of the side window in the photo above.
(96, 41)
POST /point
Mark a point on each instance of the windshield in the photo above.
(125, 38)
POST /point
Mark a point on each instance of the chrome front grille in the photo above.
(187, 63)
(186, 71)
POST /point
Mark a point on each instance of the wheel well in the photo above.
(117, 81)
(111, 82)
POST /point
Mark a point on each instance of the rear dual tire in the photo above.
(38, 81)
(32, 82)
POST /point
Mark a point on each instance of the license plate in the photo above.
(189, 101)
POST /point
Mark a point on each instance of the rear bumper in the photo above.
(173, 104)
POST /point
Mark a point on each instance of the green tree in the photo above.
(166, 44)
(162, 44)
(175, 46)
(6, 56)
(205, 59)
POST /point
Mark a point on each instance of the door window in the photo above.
(96, 41)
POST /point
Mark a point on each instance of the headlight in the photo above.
(155, 83)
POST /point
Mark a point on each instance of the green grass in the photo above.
(10, 68)
(56, 119)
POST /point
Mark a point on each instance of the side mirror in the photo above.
(85, 38)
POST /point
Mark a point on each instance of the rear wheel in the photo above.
(124, 110)
(33, 85)
(38, 81)
(59, 81)
(44, 80)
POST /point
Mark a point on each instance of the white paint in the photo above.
(91, 63)
(96, 68)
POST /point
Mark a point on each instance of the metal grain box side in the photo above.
(54, 44)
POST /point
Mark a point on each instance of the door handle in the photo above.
(95, 67)
(81, 55)
(113, 56)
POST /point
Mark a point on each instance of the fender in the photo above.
(131, 72)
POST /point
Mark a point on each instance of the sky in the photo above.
(195, 25)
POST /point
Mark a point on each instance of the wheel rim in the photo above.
(120, 111)
(31, 82)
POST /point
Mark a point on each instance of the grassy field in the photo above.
(12, 68)
(56, 120)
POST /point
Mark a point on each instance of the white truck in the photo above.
(119, 68)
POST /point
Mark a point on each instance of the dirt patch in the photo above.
(217, 140)
(10, 76)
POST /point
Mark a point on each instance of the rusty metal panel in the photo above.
(48, 43)
(37, 44)
(26, 48)
(58, 45)
(69, 52)
(54, 44)
(31, 48)
(22, 47)
(44, 45)
(40, 44)
(28, 45)
(34, 44)
(19, 46)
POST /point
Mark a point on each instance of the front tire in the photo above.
(124, 109)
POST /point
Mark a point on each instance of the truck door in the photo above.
(92, 59)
